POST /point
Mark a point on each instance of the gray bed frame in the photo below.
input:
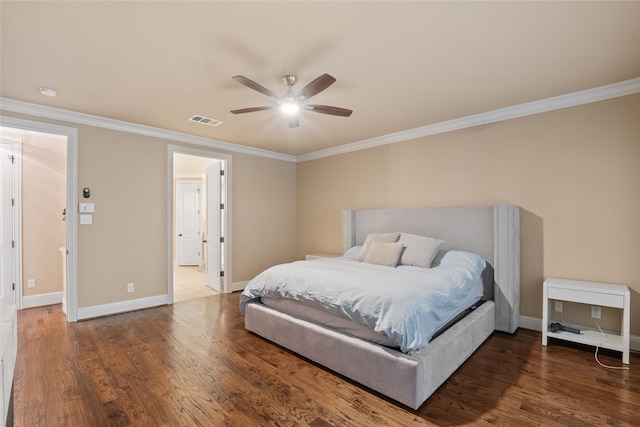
(491, 231)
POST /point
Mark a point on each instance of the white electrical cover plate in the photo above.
(85, 219)
(86, 207)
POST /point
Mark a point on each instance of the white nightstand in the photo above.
(317, 256)
(592, 293)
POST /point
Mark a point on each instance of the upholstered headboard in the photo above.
(490, 231)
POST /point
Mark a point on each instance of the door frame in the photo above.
(16, 219)
(178, 149)
(71, 288)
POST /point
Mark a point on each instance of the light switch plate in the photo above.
(86, 219)
(86, 207)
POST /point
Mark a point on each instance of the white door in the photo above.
(213, 262)
(7, 288)
(188, 222)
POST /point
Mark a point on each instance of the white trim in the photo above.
(189, 175)
(30, 301)
(16, 148)
(532, 323)
(535, 324)
(628, 87)
(238, 286)
(15, 106)
(601, 93)
(72, 199)
(121, 307)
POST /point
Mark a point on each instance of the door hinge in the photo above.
(12, 157)
(13, 202)
(221, 172)
(222, 274)
(221, 205)
(13, 286)
(221, 239)
(13, 244)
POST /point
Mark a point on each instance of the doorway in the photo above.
(46, 154)
(199, 232)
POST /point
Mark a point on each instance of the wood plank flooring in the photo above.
(194, 364)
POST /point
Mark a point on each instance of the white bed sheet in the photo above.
(408, 306)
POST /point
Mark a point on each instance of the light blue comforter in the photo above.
(408, 304)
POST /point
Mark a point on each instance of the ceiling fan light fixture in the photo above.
(290, 107)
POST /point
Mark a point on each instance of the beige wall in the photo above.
(127, 241)
(575, 173)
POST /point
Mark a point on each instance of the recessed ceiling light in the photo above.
(48, 91)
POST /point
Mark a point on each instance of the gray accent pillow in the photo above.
(384, 253)
(377, 237)
(419, 250)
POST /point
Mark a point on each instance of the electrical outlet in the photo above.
(559, 306)
(31, 283)
(596, 312)
(130, 287)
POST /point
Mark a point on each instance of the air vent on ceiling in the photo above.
(205, 120)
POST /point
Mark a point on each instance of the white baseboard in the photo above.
(535, 324)
(39, 300)
(121, 307)
(238, 286)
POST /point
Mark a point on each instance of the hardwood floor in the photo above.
(194, 364)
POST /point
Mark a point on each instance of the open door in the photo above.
(7, 260)
(213, 268)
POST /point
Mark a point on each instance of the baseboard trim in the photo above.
(31, 301)
(535, 324)
(238, 286)
(121, 307)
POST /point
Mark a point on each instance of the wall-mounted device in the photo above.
(86, 192)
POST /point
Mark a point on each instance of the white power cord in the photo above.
(606, 338)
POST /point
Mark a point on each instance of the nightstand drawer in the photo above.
(586, 297)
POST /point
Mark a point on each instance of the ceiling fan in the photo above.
(292, 102)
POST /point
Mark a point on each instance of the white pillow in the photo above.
(376, 237)
(352, 253)
(419, 250)
(467, 260)
(384, 253)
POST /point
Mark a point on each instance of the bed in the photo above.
(410, 377)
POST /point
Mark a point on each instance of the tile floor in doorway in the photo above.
(188, 283)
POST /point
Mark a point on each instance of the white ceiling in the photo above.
(398, 65)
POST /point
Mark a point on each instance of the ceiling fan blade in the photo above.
(293, 122)
(325, 109)
(317, 86)
(251, 109)
(255, 86)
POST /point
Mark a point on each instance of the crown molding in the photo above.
(601, 93)
(21, 107)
